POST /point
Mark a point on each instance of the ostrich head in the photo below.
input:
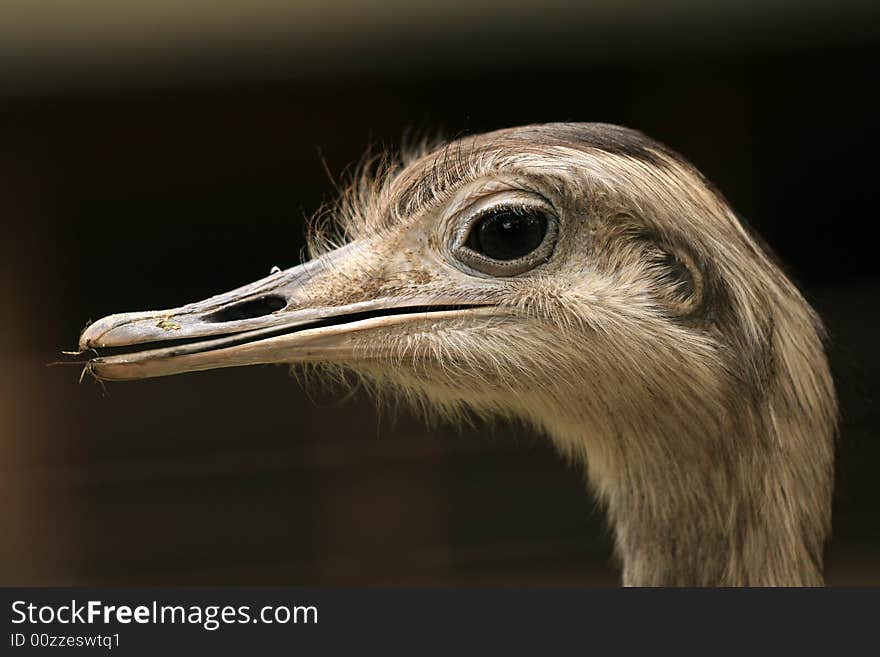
(589, 281)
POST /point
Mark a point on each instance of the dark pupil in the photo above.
(508, 234)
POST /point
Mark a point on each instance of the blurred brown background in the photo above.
(154, 153)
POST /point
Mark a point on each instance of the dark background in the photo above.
(152, 159)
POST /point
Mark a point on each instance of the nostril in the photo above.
(247, 309)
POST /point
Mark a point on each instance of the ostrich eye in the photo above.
(508, 233)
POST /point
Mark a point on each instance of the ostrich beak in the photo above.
(313, 312)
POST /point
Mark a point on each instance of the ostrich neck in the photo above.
(719, 542)
(727, 510)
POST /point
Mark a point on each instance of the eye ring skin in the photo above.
(467, 220)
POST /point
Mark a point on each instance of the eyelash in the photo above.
(517, 209)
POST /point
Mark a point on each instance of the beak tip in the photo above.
(87, 337)
(102, 332)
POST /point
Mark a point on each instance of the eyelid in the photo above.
(468, 217)
(475, 211)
